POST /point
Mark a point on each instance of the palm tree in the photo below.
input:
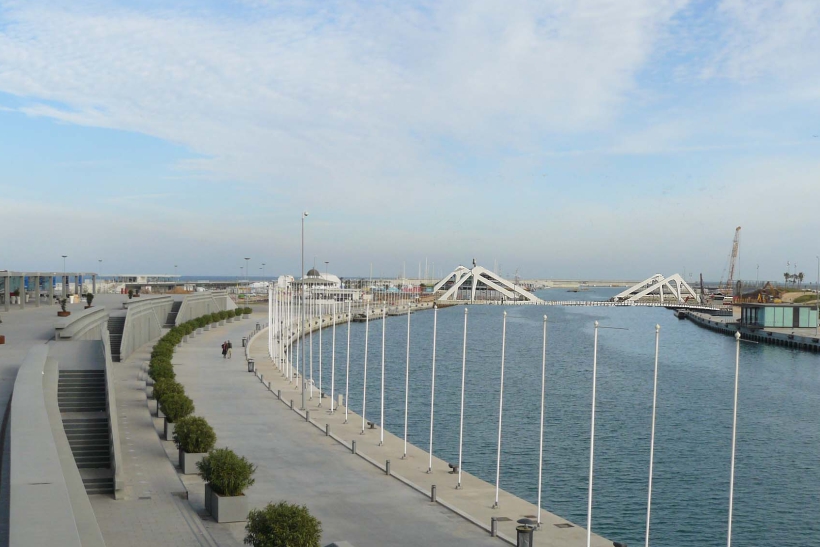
(786, 276)
(800, 278)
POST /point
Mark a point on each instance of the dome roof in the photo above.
(313, 272)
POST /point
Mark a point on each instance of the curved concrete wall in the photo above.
(202, 303)
(143, 322)
(39, 506)
(88, 324)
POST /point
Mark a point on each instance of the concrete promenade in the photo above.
(474, 501)
(154, 509)
(298, 463)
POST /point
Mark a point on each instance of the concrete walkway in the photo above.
(154, 510)
(298, 463)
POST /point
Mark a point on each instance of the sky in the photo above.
(569, 139)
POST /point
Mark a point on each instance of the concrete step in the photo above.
(94, 465)
(84, 446)
(85, 428)
(86, 434)
(82, 407)
(99, 486)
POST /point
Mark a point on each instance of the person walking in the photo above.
(224, 349)
(229, 345)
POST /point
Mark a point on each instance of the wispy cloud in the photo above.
(352, 94)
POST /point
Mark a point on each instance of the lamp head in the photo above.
(305, 213)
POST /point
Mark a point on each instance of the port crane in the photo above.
(727, 288)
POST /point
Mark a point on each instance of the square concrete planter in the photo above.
(229, 508)
(245, 316)
(185, 338)
(199, 331)
(207, 327)
(221, 322)
(230, 319)
(188, 461)
(169, 430)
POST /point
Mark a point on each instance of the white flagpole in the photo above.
(406, 385)
(333, 364)
(592, 436)
(734, 439)
(381, 419)
(461, 419)
(347, 355)
(433, 386)
(652, 437)
(270, 322)
(364, 383)
(299, 339)
(500, 409)
(310, 335)
(541, 438)
(321, 318)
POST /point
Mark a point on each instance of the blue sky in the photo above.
(565, 139)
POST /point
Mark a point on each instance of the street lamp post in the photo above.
(817, 300)
(302, 309)
(65, 278)
(263, 271)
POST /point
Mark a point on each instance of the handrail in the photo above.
(113, 427)
(75, 327)
(40, 510)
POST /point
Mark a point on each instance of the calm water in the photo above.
(777, 475)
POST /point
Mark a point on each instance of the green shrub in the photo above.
(163, 349)
(283, 525)
(247, 311)
(176, 406)
(160, 371)
(223, 315)
(166, 386)
(227, 473)
(194, 435)
(237, 312)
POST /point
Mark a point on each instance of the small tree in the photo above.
(89, 298)
(226, 472)
(130, 293)
(283, 525)
(164, 387)
(176, 406)
(194, 435)
(63, 302)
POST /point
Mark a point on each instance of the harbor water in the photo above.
(776, 483)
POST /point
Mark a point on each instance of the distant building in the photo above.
(778, 315)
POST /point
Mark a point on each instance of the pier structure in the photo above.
(652, 289)
(480, 279)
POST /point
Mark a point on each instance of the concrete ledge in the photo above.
(84, 325)
(199, 304)
(113, 426)
(40, 510)
(143, 322)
